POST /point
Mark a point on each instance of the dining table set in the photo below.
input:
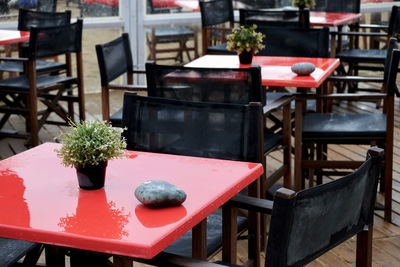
(41, 202)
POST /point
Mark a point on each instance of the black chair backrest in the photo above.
(238, 86)
(211, 130)
(393, 44)
(319, 218)
(214, 12)
(392, 75)
(394, 22)
(290, 18)
(114, 58)
(28, 18)
(340, 6)
(46, 5)
(294, 42)
(54, 41)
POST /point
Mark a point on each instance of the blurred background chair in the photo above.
(47, 5)
(180, 35)
(201, 129)
(26, 19)
(20, 94)
(315, 131)
(368, 59)
(289, 18)
(115, 59)
(217, 21)
(348, 208)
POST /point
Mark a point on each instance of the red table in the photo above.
(13, 36)
(332, 19)
(275, 71)
(40, 200)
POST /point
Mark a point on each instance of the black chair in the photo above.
(28, 18)
(309, 223)
(170, 34)
(211, 130)
(342, 6)
(368, 59)
(316, 131)
(289, 18)
(294, 42)
(219, 85)
(47, 5)
(217, 21)
(20, 94)
(115, 59)
(11, 251)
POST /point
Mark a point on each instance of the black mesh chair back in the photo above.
(47, 5)
(28, 18)
(239, 86)
(215, 12)
(290, 18)
(54, 41)
(294, 42)
(114, 58)
(211, 130)
(315, 220)
(394, 22)
(351, 6)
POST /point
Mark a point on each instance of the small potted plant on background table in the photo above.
(246, 42)
(88, 147)
(301, 4)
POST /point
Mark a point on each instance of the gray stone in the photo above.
(157, 193)
(303, 68)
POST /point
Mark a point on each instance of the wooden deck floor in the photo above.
(386, 243)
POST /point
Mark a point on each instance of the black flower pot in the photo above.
(91, 177)
(246, 57)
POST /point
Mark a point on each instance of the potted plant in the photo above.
(301, 4)
(88, 147)
(246, 42)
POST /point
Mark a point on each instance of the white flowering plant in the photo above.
(91, 143)
(245, 39)
(304, 3)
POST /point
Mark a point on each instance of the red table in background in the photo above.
(275, 71)
(40, 200)
(332, 19)
(13, 36)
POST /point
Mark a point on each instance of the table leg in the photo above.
(199, 240)
(121, 261)
(54, 256)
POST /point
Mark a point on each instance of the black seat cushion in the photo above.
(271, 141)
(12, 250)
(363, 55)
(41, 66)
(21, 83)
(183, 246)
(321, 125)
(219, 49)
(116, 118)
(173, 32)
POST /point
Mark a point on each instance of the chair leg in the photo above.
(364, 248)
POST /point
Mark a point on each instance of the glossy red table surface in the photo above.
(40, 200)
(275, 71)
(332, 19)
(13, 36)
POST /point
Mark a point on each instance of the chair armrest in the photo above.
(349, 97)
(139, 71)
(251, 203)
(280, 102)
(128, 87)
(18, 59)
(377, 34)
(355, 79)
(373, 26)
(168, 259)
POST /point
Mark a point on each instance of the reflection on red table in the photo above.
(275, 71)
(332, 19)
(49, 207)
(13, 36)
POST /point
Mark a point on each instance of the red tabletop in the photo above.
(40, 200)
(332, 19)
(13, 36)
(275, 71)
